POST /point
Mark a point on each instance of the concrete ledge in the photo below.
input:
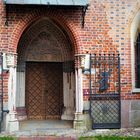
(136, 90)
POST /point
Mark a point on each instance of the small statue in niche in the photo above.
(103, 83)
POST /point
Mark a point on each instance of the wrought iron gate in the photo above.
(105, 91)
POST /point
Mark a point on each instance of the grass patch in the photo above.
(7, 138)
(109, 138)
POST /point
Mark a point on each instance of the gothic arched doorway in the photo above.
(45, 73)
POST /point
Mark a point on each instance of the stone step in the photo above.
(47, 132)
(45, 124)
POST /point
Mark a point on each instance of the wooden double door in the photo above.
(44, 90)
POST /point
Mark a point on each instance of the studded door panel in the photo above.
(53, 94)
(44, 91)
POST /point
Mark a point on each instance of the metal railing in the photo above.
(105, 89)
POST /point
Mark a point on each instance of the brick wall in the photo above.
(107, 30)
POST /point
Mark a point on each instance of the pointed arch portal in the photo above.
(45, 73)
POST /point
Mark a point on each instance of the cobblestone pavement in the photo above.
(70, 134)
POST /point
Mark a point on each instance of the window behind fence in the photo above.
(137, 62)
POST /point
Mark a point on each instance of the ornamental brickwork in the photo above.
(107, 30)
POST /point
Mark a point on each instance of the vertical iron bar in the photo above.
(109, 77)
(2, 86)
(90, 84)
(104, 71)
(95, 72)
(100, 68)
(119, 90)
(1, 91)
(114, 73)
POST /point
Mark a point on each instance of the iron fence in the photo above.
(105, 90)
